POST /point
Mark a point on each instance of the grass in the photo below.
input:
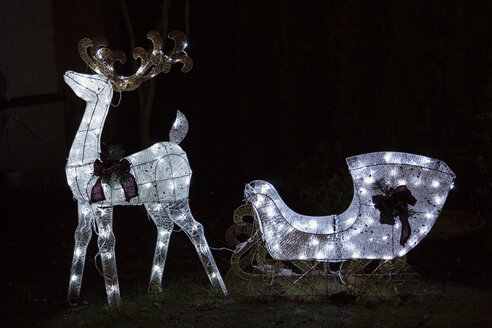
(190, 303)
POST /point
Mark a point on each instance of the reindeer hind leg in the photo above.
(180, 213)
(164, 229)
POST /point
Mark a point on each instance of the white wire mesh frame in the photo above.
(253, 273)
(162, 173)
(165, 188)
(356, 233)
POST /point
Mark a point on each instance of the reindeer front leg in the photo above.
(82, 235)
(106, 243)
(180, 213)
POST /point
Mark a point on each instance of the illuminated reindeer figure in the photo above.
(157, 177)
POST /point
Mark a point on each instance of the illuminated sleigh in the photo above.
(356, 236)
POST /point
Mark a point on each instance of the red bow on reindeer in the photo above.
(113, 164)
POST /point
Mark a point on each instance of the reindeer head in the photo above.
(152, 62)
(89, 87)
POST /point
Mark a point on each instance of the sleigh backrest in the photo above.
(429, 181)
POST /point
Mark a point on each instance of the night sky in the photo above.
(282, 91)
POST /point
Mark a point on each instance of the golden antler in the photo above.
(101, 59)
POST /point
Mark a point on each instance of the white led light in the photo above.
(259, 200)
(270, 211)
(402, 182)
(161, 244)
(369, 180)
(435, 183)
(77, 252)
(103, 233)
(74, 278)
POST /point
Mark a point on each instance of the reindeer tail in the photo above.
(179, 129)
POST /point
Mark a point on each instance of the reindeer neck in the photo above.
(86, 146)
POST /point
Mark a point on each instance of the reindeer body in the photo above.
(162, 171)
(162, 174)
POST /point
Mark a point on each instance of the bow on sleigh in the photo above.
(394, 203)
(109, 165)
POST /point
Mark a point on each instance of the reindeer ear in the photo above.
(179, 129)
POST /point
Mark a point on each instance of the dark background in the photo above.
(280, 90)
(279, 86)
